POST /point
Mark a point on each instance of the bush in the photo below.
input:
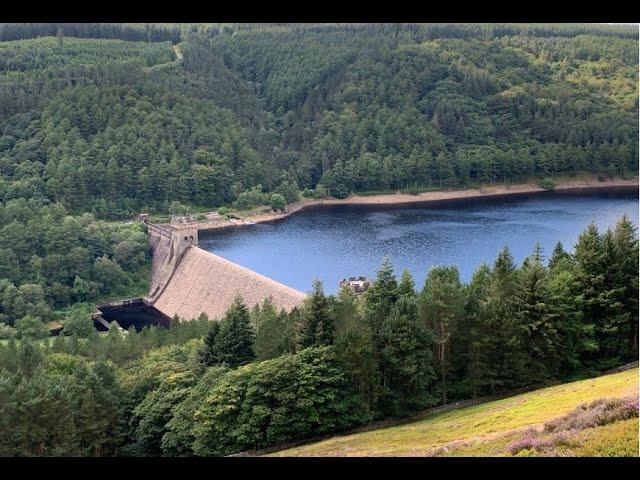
(31, 327)
(6, 331)
(281, 400)
(547, 184)
(340, 191)
(80, 325)
(598, 413)
(177, 208)
(224, 211)
(251, 198)
(289, 190)
(277, 202)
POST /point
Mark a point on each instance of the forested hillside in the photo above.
(105, 119)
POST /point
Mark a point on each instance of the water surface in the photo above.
(350, 240)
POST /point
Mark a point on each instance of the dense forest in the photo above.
(260, 377)
(107, 119)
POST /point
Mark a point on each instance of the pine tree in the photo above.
(317, 323)
(575, 338)
(558, 255)
(406, 364)
(208, 353)
(381, 295)
(540, 337)
(407, 286)
(469, 361)
(591, 260)
(236, 337)
(442, 302)
(621, 247)
(229, 342)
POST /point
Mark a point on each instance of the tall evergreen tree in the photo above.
(318, 325)
(381, 295)
(230, 343)
(406, 362)
(558, 255)
(540, 337)
(442, 308)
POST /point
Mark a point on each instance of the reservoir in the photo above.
(333, 242)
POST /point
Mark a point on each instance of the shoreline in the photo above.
(406, 199)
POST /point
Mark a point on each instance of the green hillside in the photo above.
(105, 118)
(489, 429)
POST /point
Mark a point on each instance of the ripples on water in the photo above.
(342, 241)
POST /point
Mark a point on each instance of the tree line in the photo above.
(259, 377)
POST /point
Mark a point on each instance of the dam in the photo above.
(187, 281)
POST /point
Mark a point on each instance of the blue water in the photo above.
(343, 241)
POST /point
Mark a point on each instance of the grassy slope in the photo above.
(486, 429)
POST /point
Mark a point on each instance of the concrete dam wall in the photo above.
(187, 281)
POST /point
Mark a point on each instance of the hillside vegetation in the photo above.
(259, 378)
(492, 428)
(104, 119)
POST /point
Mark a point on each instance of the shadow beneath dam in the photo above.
(136, 312)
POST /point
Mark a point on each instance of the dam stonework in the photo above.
(187, 281)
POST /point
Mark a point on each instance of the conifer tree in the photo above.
(540, 337)
(406, 286)
(229, 342)
(406, 363)
(381, 295)
(558, 255)
(317, 324)
(442, 308)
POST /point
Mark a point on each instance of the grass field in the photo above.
(488, 429)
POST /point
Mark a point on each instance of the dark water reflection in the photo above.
(341, 241)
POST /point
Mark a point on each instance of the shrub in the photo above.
(6, 331)
(277, 202)
(177, 208)
(547, 184)
(251, 198)
(598, 413)
(531, 441)
(281, 400)
(31, 327)
(289, 190)
(340, 191)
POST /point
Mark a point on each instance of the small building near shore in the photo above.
(358, 285)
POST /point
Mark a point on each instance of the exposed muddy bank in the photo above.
(407, 200)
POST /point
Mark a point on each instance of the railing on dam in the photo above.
(153, 228)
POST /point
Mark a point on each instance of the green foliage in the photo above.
(231, 342)
(29, 327)
(60, 260)
(275, 333)
(277, 202)
(510, 327)
(547, 184)
(251, 199)
(442, 309)
(317, 323)
(406, 363)
(288, 398)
